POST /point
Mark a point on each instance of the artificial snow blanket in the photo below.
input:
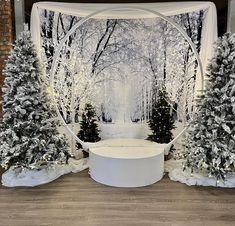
(31, 178)
(174, 168)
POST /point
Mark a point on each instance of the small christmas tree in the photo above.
(28, 136)
(89, 131)
(210, 143)
(161, 122)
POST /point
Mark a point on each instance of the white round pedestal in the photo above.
(127, 166)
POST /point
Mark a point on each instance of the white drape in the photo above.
(209, 31)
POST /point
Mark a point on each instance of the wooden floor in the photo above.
(76, 199)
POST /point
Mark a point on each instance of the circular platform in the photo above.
(127, 163)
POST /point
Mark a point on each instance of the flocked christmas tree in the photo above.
(89, 131)
(211, 136)
(161, 122)
(29, 136)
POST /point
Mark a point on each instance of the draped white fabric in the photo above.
(209, 32)
(128, 11)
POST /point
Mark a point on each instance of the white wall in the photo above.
(231, 16)
(19, 16)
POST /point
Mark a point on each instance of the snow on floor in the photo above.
(121, 130)
(31, 178)
(124, 130)
(176, 173)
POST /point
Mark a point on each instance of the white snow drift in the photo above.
(31, 178)
(176, 173)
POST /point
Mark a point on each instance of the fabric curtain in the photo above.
(49, 17)
(209, 32)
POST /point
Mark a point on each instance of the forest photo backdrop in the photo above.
(120, 65)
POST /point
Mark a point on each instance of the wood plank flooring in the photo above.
(76, 200)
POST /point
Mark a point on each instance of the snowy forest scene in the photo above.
(119, 66)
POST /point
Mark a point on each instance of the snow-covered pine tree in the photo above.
(28, 136)
(210, 140)
(161, 121)
(89, 131)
